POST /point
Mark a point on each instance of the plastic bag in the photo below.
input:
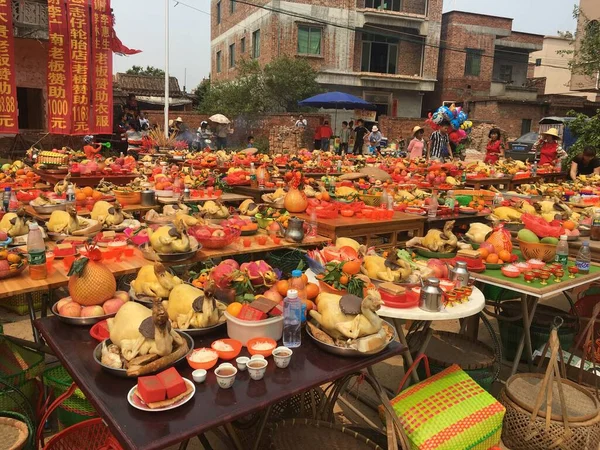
(540, 227)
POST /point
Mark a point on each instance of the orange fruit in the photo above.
(312, 290)
(484, 252)
(234, 308)
(344, 279)
(351, 267)
(309, 306)
(282, 287)
(569, 225)
(97, 195)
(88, 191)
(80, 196)
(30, 174)
(492, 258)
(304, 279)
(20, 172)
(325, 196)
(504, 255)
(13, 258)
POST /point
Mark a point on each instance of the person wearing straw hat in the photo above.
(550, 151)
(375, 141)
(417, 143)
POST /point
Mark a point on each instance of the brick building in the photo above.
(385, 52)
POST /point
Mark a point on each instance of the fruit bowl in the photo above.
(213, 241)
(83, 321)
(14, 271)
(543, 252)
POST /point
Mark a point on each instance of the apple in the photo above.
(273, 294)
(4, 266)
(112, 305)
(3, 235)
(218, 233)
(70, 309)
(92, 311)
(124, 296)
(203, 233)
(62, 302)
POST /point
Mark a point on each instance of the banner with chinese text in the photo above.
(102, 74)
(79, 37)
(9, 122)
(59, 74)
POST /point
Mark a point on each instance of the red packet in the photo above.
(252, 314)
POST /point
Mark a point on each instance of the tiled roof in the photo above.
(146, 85)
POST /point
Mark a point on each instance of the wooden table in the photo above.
(482, 183)
(517, 182)
(460, 219)
(211, 406)
(553, 176)
(254, 192)
(86, 180)
(530, 295)
(86, 212)
(379, 233)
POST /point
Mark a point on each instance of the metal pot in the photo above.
(432, 296)
(460, 274)
(148, 198)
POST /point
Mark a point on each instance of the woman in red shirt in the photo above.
(549, 149)
(495, 147)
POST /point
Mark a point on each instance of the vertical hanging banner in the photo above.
(79, 37)
(102, 99)
(59, 75)
(9, 122)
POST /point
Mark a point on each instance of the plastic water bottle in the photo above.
(37, 253)
(562, 251)
(498, 199)
(6, 199)
(384, 199)
(297, 284)
(583, 258)
(314, 225)
(292, 319)
(433, 207)
(534, 169)
(450, 200)
(390, 201)
(13, 203)
(70, 194)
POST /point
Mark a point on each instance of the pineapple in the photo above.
(91, 282)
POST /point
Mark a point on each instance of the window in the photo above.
(379, 55)
(218, 13)
(525, 126)
(232, 55)
(506, 73)
(473, 62)
(389, 5)
(232, 6)
(218, 61)
(242, 46)
(309, 40)
(256, 44)
(538, 62)
(30, 108)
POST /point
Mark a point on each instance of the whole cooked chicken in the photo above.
(64, 221)
(154, 281)
(169, 239)
(190, 307)
(107, 214)
(215, 210)
(14, 223)
(443, 241)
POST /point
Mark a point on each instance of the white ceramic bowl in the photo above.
(258, 372)
(241, 362)
(282, 357)
(225, 381)
(199, 375)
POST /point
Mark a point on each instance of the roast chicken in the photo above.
(190, 307)
(154, 281)
(443, 241)
(14, 224)
(64, 221)
(107, 214)
(169, 239)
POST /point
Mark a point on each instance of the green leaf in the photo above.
(78, 266)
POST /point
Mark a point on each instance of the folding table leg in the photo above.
(184, 445)
(525, 342)
(406, 353)
(234, 437)
(30, 305)
(263, 423)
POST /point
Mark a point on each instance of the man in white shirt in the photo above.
(301, 122)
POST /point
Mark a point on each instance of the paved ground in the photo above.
(389, 372)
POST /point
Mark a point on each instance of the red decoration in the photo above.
(9, 122)
(79, 44)
(102, 73)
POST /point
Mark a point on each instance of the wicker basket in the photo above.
(18, 365)
(371, 200)
(74, 409)
(543, 252)
(18, 303)
(13, 433)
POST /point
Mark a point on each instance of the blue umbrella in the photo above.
(336, 100)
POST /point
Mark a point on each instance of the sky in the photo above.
(141, 24)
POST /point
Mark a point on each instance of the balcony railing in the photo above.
(410, 7)
(30, 19)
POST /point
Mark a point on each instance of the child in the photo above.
(344, 138)
(91, 151)
(440, 147)
(495, 147)
(417, 143)
(250, 141)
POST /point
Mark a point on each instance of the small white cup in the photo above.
(242, 361)
(257, 356)
(225, 381)
(199, 375)
(282, 357)
(258, 372)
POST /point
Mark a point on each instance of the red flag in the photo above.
(117, 45)
(102, 62)
(9, 121)
(59, 76)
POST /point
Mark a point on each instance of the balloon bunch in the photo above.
(455, 117)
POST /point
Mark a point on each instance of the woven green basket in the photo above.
(287, 260)
(11, 402)
(483, 377)
(18, 303)
(18, 364)
(74, 409)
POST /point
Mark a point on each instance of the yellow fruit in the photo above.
(91, 282)
(13, 258)
(234, 308)
(3, 254)
(492, 258)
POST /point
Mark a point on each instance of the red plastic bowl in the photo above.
(100, 331)
(510, 273)
(212, 242)
(226, 356)
(265, 353)
(202, 365)
(398, 301)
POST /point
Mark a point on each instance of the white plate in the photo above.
(138, 403)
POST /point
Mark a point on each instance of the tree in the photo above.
(275, 88)
(149, 70)
(586, 54)
(200, 92)
(587, 131)
(565, 34)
